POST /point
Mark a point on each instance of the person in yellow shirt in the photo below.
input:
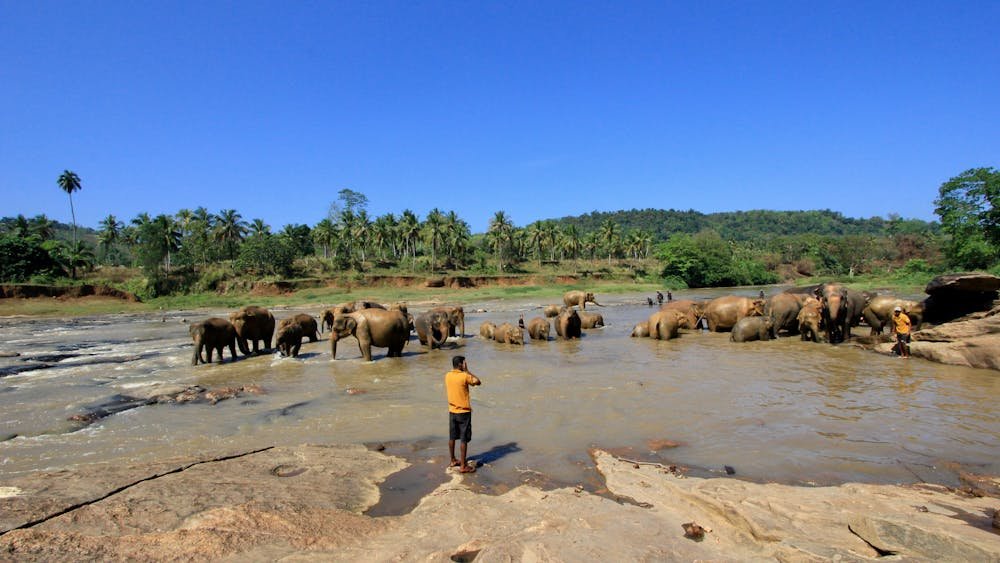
(457, 382)
(901, 326)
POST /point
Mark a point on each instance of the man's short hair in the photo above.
(457, 361)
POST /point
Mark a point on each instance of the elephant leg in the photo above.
(232, 351)
(208, 354)
(218, 350)
(295, 350)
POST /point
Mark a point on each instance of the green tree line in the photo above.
(684, 247)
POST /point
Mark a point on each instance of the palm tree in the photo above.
(230, 229)
(259, 228)
(324, 234)
(536, 237)
(609, 235)
(362, 231)
(457, 235)
(434, 232)
(44, 228)
(75, 256)
(70, 182)
(109, 233)
(21, 227)
(166, 228)
(500, 232)
(409, 230)
(574, 243)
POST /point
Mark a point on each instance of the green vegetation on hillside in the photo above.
(196, 251)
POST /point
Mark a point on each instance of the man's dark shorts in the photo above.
(460, 426)
(903, 338)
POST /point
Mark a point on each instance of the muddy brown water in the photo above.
(785, 411)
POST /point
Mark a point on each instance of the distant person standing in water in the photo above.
(457, 382)
(670, 296)
(901, 326)
(659, 298)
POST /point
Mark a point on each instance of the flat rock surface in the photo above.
(963, 282)
(306, 503)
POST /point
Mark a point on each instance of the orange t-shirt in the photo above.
(902, 323)
(457, 384)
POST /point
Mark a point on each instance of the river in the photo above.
(785, 411)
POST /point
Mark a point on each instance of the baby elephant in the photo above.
(291, 331)
(487, 329)
(212, 334)
(748, 329)
(538, 328)
(508, 333)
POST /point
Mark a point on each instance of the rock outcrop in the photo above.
(307, 503)
(962, 315)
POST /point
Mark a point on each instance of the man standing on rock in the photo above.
(901, 326)
(457, 382)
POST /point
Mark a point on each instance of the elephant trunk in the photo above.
(196, 357)
(242, 343)
(333, 345)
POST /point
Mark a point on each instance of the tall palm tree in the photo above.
(500, 232)
(362, 231)
(409, 230)
(70, 182)
(610, 235)
(434, 232)
(21, 227)
(184, 219)
(574, 243)
(230, 228)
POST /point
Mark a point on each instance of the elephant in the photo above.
(433, 327)
(327, 316)
(456, 316)
(253, 323)
(783, 310)
(663, 325)
(580, 298)
(212, 334)
(879, 312)
(723, 313)
(590, 320)
(810, 316)
(310, 329)
(640, 330)
(552, 311)
(693, 310)
(509, 333)
(842, 309)
(538, 328)
(568, 324)
(487, 329)
(288, 340)
(361, 304)
(748, 329)
(372, 327)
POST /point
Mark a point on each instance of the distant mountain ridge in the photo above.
(747, 225)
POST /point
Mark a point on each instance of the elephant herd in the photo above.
(372, 324)
(829, 309)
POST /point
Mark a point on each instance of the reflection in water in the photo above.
(784, 410)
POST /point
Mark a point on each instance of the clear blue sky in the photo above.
(541, 109)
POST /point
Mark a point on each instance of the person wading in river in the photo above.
(901, 326)
(457, 382)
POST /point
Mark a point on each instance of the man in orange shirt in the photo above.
(901, 326)
(457, 382)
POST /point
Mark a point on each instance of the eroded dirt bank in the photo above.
(306, 503)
